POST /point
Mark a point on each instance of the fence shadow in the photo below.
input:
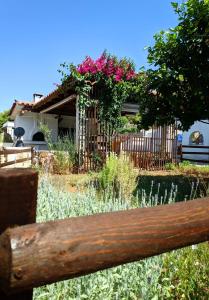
(165, 186)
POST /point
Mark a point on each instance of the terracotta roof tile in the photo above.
(26, 105)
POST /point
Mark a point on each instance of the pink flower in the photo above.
(118, 78)
(80, 69)
(130, 74)
(88, 66)
(109, 66)
(119, 73)
(101, 63)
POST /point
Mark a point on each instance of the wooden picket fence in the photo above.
(38, 254)
(16, 156)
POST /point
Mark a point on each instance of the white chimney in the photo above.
(37, 97)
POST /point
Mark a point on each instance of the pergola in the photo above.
(95, 140)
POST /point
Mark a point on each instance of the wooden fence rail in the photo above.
(5, 154)
(37, 254)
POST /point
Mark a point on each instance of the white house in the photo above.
(24, 115)
(59, 112)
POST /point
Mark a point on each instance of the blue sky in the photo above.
(36, 36)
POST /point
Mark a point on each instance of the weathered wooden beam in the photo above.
(15, 150)
(14, 162)
(38, 254)
(18, 194)
(58, 104)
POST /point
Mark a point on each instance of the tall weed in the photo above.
(63, 152)
(119, 175)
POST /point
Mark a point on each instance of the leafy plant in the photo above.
(4, 117)
(97, 160)
(47, 134)
(64, 155)
(119, 175)
(170, 166)
(177, 86)
(129, 124)
(185, 273)
(63, 151)
(5, 138)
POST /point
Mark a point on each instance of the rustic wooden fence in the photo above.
(14, 156)
(199, 152)
(38, 254)
(149, 150)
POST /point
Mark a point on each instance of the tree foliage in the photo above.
(4, 117)
(177, 86)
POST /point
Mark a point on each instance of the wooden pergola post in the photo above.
(77, 124)
(18, 199)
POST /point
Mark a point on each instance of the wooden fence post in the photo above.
(32, 155)
(181, 153)
(18, 198)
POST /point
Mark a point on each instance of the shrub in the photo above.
(63, 151)
(170, 166)
(118, 174)
(5, 138)
(185, 273)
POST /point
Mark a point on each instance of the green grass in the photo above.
(187, 168)
(147, 279)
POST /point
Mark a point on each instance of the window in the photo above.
(196, 138)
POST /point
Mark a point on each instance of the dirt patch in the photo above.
(72, 182)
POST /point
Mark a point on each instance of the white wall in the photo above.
(30, 122)
(204, 130)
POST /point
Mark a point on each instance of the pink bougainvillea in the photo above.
(130, 74)
(108, 66)
(101, 63)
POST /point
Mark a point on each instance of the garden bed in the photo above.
(181, 274)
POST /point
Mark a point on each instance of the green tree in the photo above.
(4, 117)
(177, 86)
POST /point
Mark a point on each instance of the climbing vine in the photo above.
(108, 80)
